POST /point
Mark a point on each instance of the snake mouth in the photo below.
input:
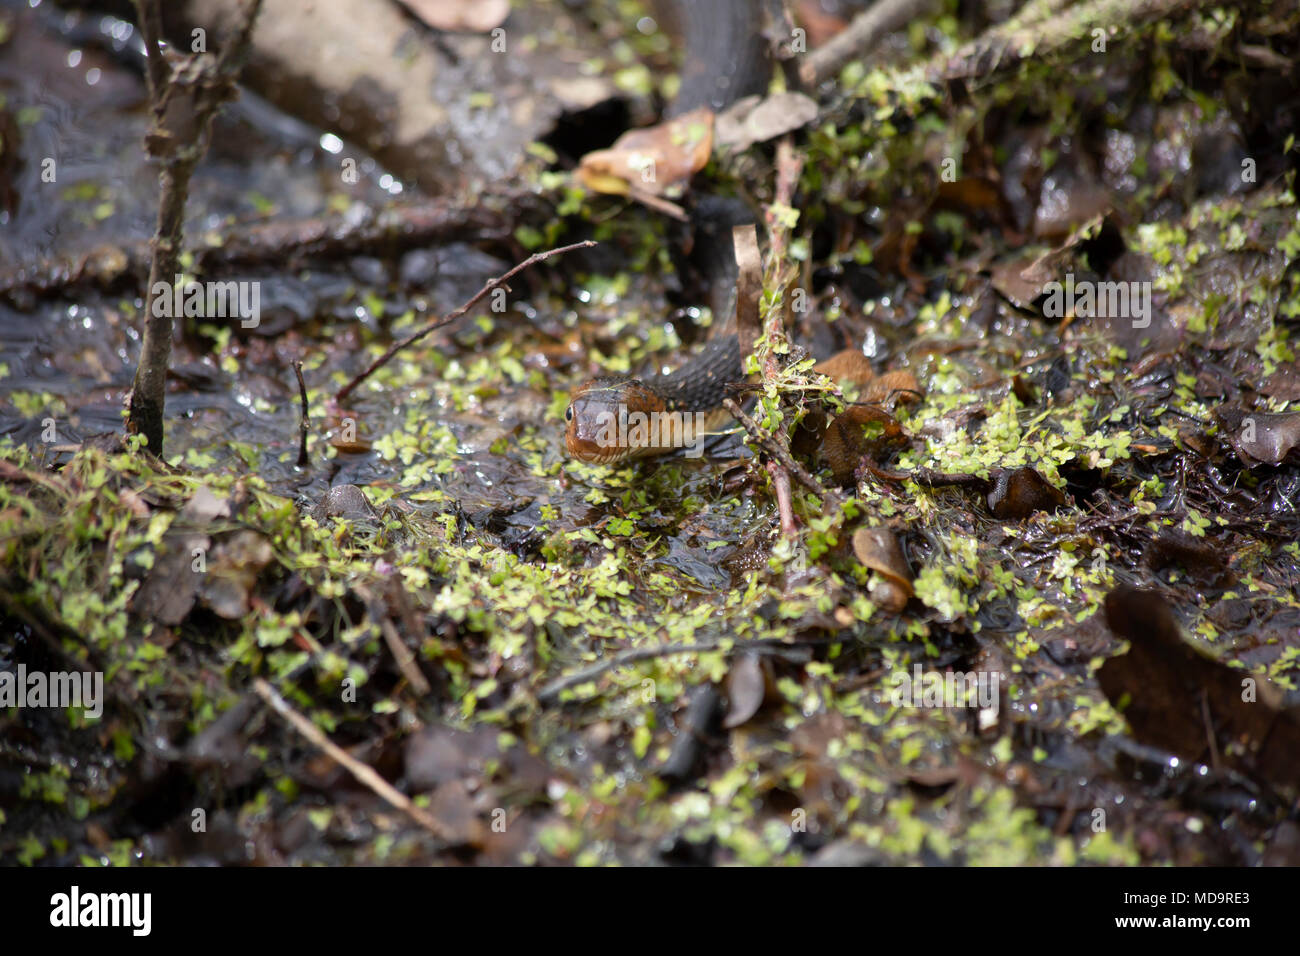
(594, 454)
(596, 420)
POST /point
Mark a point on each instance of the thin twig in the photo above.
(411, 339)
(184, 99)
(364, 774)
(860, 37)
(404, 656)
(303, 461)
(773, 448)
(788, 166)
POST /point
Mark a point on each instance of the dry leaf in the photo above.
(746, 688)
(757, 119)
(653, 161)
(877, 548)
(1260, 438)
(460, 16)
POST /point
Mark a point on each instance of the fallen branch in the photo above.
(414, 337)
(860, 37)
(281, 243)
(1043, 28)
(364, 774)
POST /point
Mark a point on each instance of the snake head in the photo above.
(595, 423)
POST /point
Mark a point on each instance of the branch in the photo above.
(184, 100)
(860, 37)
(363, 773)
(411, 339)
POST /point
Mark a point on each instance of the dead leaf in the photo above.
(204, 506)
(1019, 492)
(167, 595)
(656, 161)
(877, 548)
(746, 688)
(757, 119)
(1260, 438)
(347, 502)
(460, 16)
(1181, 700)
(232, 573)
(1202, 561)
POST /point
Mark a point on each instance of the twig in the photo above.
(404, 656)
(784, 502)
(860, 37)
(788, 166)
(414, 337)
(363, 773)
(773, 448)
(1043, 28)
(303, 461)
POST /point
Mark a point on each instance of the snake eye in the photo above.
(568, 414)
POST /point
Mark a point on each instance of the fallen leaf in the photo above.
(746, 688)
(1260, 438)
(877, 549)
(460, 16)
(757, 119)
(655, 161)
(1181, 700)
(1019, 492)
(232, 573)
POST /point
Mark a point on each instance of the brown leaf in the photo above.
(847, 367)
(1019, 492)
(656, 160)
(1260, 438)
(757, 119)
(1181, 700)
(1202, 561)
(232, 573)
(347, 502)
(877, 548)
(460, 16)
(167, 595)
(746, 688)
(204, 506)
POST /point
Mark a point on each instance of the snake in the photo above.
(613, 419)
(610, 420)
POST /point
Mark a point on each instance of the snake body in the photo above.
(610, 420)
